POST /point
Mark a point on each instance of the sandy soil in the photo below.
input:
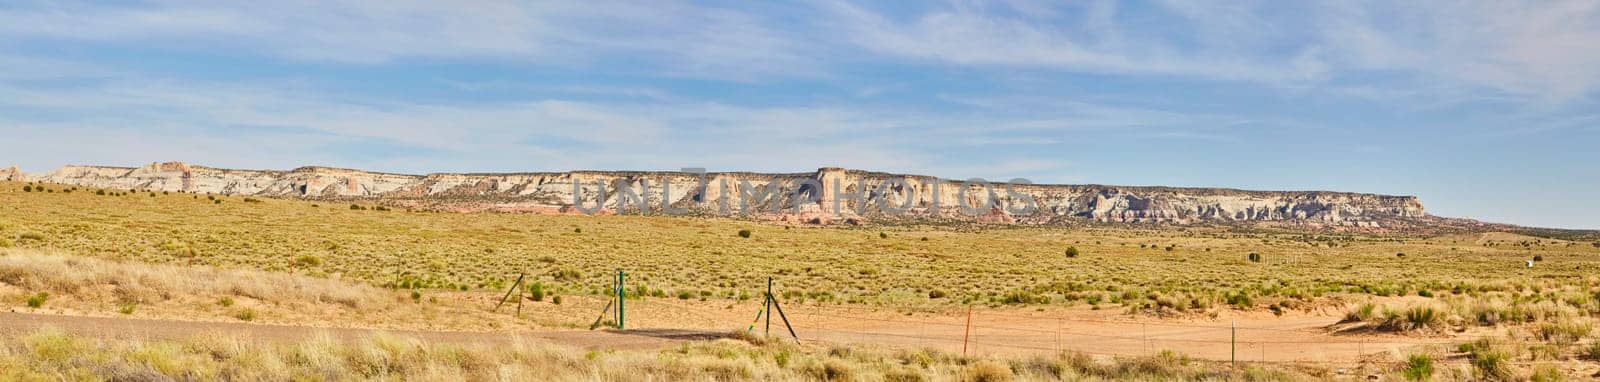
(12, 324)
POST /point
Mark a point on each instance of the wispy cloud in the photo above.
(686, 39)
(1086, 39)
(1548, 50)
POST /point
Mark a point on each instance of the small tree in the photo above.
(27, 188)
(744, 233)
(1255, 257)
(1072, 252)
(1538, 257)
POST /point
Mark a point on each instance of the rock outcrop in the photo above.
(829, 195)
(11, 174)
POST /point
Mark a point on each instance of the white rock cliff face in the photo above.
(825, 196)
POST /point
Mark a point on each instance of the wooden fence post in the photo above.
(968, 335)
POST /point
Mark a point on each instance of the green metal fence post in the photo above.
(621, 296)
(769, 307)
(1233, 345)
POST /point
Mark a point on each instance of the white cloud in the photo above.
(680, 38)
(1549, 50)
(1092, 42)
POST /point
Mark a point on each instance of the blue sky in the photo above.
(1483, 109)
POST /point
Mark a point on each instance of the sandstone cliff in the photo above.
(805, 197)
(11, 174)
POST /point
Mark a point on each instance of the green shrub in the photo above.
(1488, 361)
(1401, 254)
(684, 295)
(1254, 257)
(100, 192)
(37, 300)
(225, 301)
(566, 274)
(357, 207)
(1564, 332)
(307, 261)
(7, 243)
(245, 315)
(1419, 367)
(126, 308)
(936, 293)
(1240, 300)
(744, 233)
(882, 235)
(536, 291)
(577, 230)
(555, 300)
(1363, 313)
(1413, 318)
(1072, 252)
(416, 296)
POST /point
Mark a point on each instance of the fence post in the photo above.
(1059, 323)
(616, 288)
(768, 303)
(1233, 345)
(1144, 330)
(622, 294)
(968, 335)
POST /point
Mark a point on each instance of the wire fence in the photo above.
(985, 331)
(993, 332)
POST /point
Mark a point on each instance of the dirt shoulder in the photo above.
(14, 324)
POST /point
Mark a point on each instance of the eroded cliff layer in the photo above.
(827, 195)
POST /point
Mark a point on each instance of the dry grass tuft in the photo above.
(141, 283)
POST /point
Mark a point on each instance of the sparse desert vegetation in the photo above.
(284, 261)
(1127, 267)
(55, 282)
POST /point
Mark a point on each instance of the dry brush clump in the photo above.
(91, 279)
